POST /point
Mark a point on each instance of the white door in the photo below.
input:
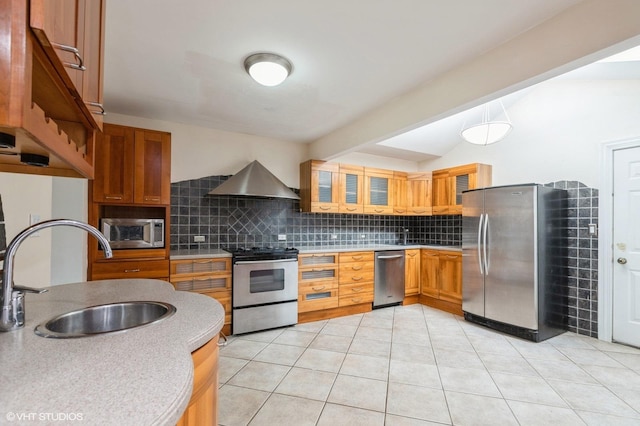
(626, 246)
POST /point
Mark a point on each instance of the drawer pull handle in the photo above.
(131, 270)
(352, 209)
(318, 288)
(356, 257)
(400, 210)
(80, 65)
(356, 290)
(202, 262)
(419, 211)
(113, 197)
(378, 210)
(356, 300)
(97, 105)
(411, 254)
(318, 270)
(356, 278)
(324, 208)
(356, 268)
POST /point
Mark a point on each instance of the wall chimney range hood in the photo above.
(254, 181)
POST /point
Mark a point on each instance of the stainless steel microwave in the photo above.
(133, 233)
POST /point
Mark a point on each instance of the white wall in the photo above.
(370, 160)
(68, 245)
(557, 131)
(198, 151)
(23, 195)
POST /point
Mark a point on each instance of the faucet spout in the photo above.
(11, 316)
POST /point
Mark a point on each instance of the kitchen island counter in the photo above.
(140, 376)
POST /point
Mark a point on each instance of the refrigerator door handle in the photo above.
(480, 244)
(485, 244)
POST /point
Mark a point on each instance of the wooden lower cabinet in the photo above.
(208, 276)
(317, 282)
(411, 272)
(203, 405)
(157, 269)
(356, 278)
(441, 280)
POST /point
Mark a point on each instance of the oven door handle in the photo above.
(249, 262)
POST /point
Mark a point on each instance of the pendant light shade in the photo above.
(267, 69)
(488, 130)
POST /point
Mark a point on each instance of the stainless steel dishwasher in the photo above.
(388, 278)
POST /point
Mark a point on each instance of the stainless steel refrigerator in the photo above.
(514, 259)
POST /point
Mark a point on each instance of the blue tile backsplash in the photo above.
(227, 221)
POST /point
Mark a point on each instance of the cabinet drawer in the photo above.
(356, 299)
(114, 270)
(316, 259)
(368, 209)
(355, 289)
(316, 287)
(354, 277)
(357, 256)
(355, 267)
(200, 284)
(315, 301)
(220, 265)
(318, 274)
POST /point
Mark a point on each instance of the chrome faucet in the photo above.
(405, 234)
(12, 314)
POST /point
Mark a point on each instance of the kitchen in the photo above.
(524, 158)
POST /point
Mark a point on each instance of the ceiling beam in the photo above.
(584, 33)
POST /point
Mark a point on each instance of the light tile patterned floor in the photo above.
(414, 365)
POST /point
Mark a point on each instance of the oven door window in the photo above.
(262, 281)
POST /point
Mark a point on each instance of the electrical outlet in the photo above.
(282, 237)
(363, 236)
(593, 230)
(334, 237)
(198, 239)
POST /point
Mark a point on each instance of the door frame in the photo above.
(605, 240)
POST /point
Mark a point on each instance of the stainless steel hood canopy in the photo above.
(255, 181)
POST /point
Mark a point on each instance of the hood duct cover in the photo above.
(255, 181)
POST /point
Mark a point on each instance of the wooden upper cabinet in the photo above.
(93, 76)
(114, 165)
(400, 193)
(152, 167)
(132, 166)
(351, 189)
(319, 186)
(419, 194)
(448, 185)
(59, 27)
(378, 191)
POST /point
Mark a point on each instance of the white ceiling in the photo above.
(183, 61)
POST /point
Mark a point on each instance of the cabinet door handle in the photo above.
(97, 105)
(132, 270)
(411, 254)
(113, 197)
(149, 198)
(318, 288)
(78, 66)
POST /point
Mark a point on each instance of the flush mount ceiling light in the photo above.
(487, 130)
(267, 69)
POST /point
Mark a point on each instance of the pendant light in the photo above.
(267, 69)
(488, 130)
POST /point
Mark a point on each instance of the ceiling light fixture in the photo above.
(487, 131)
(267, 69)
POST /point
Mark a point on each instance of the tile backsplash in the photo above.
(227, 221)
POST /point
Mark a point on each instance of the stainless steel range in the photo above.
(265, 288)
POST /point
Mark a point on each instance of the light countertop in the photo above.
(141, 376)
(210, 253)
